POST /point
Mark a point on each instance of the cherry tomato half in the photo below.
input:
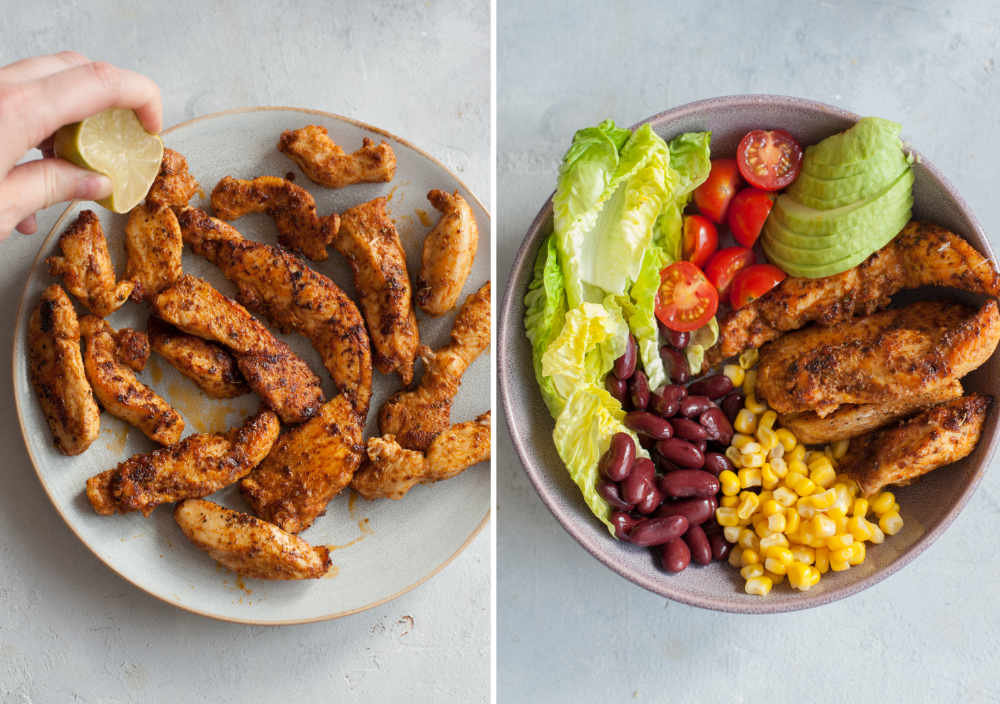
(700, 239)
(713, 196)
(724, 264)
(753, 282)
(769, 159)
(747, 213)
(685, 300)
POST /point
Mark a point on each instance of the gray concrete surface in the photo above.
(570, 630)
(72, 631)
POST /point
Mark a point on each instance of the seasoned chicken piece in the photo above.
(308, 466)
(849, 421)
(416, 417)
(174, 185)
(293, 296)
(205, 363)
(876, 359)
(327, 164)
(449, 250)
(370, 243)
(247, 545)
(55, 368)
(85, 266)
(391, 470)
(119, 391)
(292, 207)
(937, 437)
(132, 348)
(154, 247)
(196, 466)
(272, 370)
(921, 255)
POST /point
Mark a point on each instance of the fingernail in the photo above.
(93, 187)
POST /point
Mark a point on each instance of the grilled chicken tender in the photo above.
(174, 185)
(119, 391)
(55, 368)
(272, 370)
(247, 545)
(370, 243)
(391, 470)
(416, 417)
(852, 420)
(308, 466)
(936, 437)
(921, 255)
(293, 296)
(449, 250)
(208, 365)
(876, 359)
(85, 266)
(132, 348)
(154, 247)
(325, 163)
(292, 207)
(196, 466)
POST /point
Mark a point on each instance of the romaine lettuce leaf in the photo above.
(690, 158)
(701, 340)
(640, 312)
(545, 310)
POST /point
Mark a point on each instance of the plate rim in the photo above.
(56, 226)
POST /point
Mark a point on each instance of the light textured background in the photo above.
(570, 630)
(71, 630)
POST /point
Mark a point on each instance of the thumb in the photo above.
(38, 184)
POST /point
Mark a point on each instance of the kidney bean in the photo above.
(651, 501)
(639, 390)
(715, 386)
(681, 452)
(702, 445)
(717, 463)
(666, 400)
(720, 546)
(676, 555)
(638, 480)
(657, 531)
(716, 425)
(693, 406)
(732, 404)
(624, 366)
(698, 545)
(623, 523)
(616, 387)
(611, 493)
(688, 482)
(617, 461)
(649, 424)
(688, 429)
(678, 340)
(697, 510)
(676, 364)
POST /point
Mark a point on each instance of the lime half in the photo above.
(115, 144)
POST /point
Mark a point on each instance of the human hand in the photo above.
(38, 96)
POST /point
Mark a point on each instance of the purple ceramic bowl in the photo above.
(928, 506)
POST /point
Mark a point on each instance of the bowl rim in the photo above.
(601, 548)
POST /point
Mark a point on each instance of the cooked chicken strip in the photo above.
(272, 370)
(391, 470)
(369, 241)
(292, 207)
(937, 437)
(119, 391)
(85, 266)
(154, 247)
(921, 255)
(55, 368)
(174, 185)
(293, 296)
(247, 545)
(325, 163)
(876, 359)
(196, 466)
(205, 363)
(850, 421)
(308, 466)
(449, 250)
(132, 348)
(416, 417)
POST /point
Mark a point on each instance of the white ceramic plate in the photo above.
(385, 547)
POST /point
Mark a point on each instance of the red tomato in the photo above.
(724, 264)
(747, 213)
(753, 282)
(700, 239)
(713, 196)
(685, 300)
(769, 159)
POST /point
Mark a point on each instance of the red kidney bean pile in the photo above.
(668, 502)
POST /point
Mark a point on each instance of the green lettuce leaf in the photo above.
(690, 158)
(545, 310)
(640, 313)
(701, 340)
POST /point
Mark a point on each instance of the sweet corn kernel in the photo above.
(842, 555)
(750, 476)
(800, 484)
(767, 420)
(857, 551)
(796, 453)
(765, 495)
(890, 523)
(792, 520)
(858, 527)
(750, 556)
(735, 558)
(771, 507)
(787, 438)
(797, 467)
(730, 482)
(767, 439)
(821, 472)
(797, 573)
(729, 501)
(768, 479)
(735, 373)
(813, 540)
(740, 441)
(839, 541)
(781, 553)
(784, 496)
(839, 565)
(751, 571)
(752, 448)
(753, 405)
(749, 381)
(726, 516)
(734, 456)
(774, 567)
(777, 452)
(754, 460)
(878, 537)
(839, 448)
(746, 421)
(779, 466)
(804, 554)
(895, 507)
(823, 560)
(844, 498)
(748, 505)
(805, 508)
(760, 527)
(748, 358)
(859, 508)
(759, 586)
(824, 526)
(774, 576)
(731, 533)
(772, 539)
(777, 523)
(882, 502)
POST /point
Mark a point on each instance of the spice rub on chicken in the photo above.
(174, 185)
(325, 163)
(207, 364)
(154, 247)
(449, 251)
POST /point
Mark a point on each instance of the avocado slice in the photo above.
(827, 194)
(853, 151)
